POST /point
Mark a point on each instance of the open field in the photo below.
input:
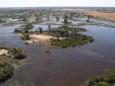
(102, 15)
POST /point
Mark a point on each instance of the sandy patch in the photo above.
(3, 51)
(40, 38)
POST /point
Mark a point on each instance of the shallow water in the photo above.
(62, 67)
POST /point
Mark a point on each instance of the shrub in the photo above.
(68, 42)
(6, 71)
(106, 80)
(17, 53)
(25, 37)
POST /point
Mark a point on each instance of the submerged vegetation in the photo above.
(108, 79)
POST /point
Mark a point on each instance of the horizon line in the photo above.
(60, 7)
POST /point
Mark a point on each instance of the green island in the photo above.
(9, 57)
(71, 41)
(107, 79)
(64, 36)
(69, 36)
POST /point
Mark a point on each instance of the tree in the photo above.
(40, 30)
(49, 27)
(57, 18)
(88, 19)
(6, 71)
(48, 17)
(65, 19)
(17, 53)
(72, 14)
(25, 37)
(78, 14)
(28, 27)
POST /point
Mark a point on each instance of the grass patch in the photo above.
(70, 36)
(108, 79)
(67, 42)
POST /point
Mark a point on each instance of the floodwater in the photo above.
(62, 67)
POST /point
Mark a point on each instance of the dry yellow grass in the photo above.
(102, 15)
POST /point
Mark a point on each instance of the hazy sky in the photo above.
(39, 3)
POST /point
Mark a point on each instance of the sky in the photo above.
(57, 3)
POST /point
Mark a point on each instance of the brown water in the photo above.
(62, 67)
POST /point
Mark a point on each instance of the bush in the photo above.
(6, 71)
(106, 80)
(17, 31)
(25, 37)
(68, 42)
(17, 53)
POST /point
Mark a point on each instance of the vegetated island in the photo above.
(8, 60)
(66, 35)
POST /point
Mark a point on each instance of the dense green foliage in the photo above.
(17, 31)
(70, 36)
(24, 28)
(71, 41)
(25, 37)
(65, 19)
(66, 31)
(40, 30)
(108, 79)
(6, 71)
(16, 53)
(27, 27)
(7, 61)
